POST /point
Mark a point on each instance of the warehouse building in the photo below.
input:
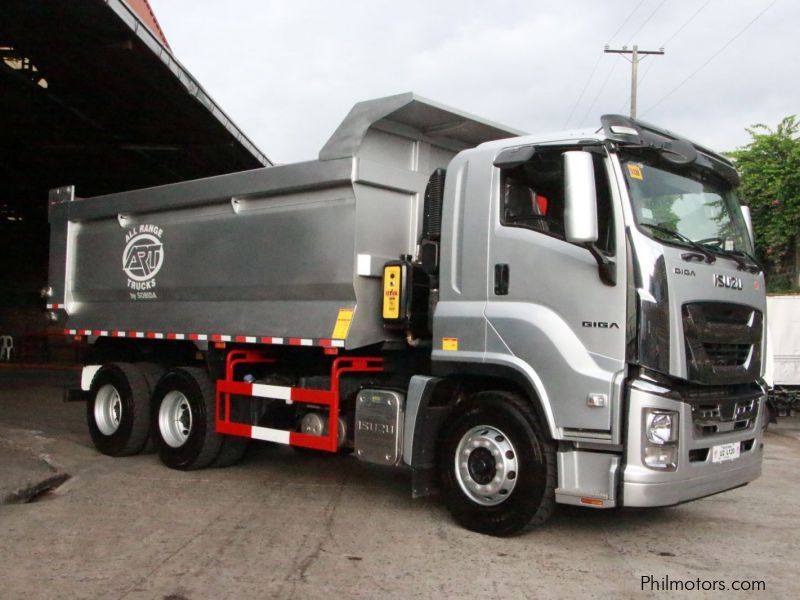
(91, 96)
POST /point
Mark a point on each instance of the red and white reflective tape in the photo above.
(266, 434)
(215, 337)
(227, 388)
(276, 392)
(56, 306)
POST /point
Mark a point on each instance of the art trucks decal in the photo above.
(142, 259)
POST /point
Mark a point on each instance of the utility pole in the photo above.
(636, 57)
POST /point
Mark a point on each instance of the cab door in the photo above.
(548, 311)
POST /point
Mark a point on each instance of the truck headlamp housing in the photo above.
(661, 426)
(661, 457)
(660, 439)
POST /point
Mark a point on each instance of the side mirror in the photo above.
(580, 202)
(748, 219)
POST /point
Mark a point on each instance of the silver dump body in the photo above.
(276, 253)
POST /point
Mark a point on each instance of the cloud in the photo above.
(288, 72)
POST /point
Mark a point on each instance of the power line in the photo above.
(597, 63)
(672, 37)
(636, 57)
(646, 21)
(668, 40)
(625, 22)
(712, 57)
(583, 91)
(682, 27)
(602, 87)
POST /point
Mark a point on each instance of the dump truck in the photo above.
(516, 320)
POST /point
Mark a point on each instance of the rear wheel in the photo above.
(183, 414)
(152, 373)
(118, 410)
(497, 465)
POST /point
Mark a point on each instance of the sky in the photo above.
(287, 72)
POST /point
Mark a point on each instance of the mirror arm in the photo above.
(606, 266)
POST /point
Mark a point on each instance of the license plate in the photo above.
(725, 452)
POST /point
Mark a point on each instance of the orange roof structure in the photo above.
(148, 17)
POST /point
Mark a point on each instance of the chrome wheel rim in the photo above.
(108, 409)
(486, 465)
(175, 419)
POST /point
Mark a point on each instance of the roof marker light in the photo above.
(622, 130)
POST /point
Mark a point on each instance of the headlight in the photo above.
(660, 439)
(661, 426)
(661, 457)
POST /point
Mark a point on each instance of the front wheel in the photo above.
(497, 466)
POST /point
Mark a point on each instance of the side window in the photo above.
(532, 196)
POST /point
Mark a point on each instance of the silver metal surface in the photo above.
(269, 252)
(748, 219)
(580, 212)
(695, 475)
(107, 409)
(485, 464)
(276, 252)
(316, 423)
(584, 474)
(440, 125)
(313, 423)
(175, 419)
(379, 426)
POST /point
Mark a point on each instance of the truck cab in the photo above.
(611, 274)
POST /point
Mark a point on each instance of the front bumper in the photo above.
(694, 476)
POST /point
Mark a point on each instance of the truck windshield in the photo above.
(696, 206)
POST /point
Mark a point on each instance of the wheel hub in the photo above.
(486, 465)
(108, 409)
(175, 419)
(481, 466)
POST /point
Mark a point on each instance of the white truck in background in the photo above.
(782, 373)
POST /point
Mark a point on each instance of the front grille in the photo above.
(724, 415)
(728, 355)
(701, 454)
(723, 342)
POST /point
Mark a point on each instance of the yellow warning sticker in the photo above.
(342, 324)
(391, 292)
(635, 171)
(450, 344)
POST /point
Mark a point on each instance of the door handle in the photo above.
(501, 279)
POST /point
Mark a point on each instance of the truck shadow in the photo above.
(387, 484)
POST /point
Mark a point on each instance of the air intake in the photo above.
(432, 211)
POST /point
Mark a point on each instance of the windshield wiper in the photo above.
(704, 250)
(744, 260)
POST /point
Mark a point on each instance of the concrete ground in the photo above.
(281, 525)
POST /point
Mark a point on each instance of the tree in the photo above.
(770, 170)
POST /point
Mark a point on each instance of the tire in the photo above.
(152, 373)
(507, 482)
(118, 411)
(232, 451)
(183, 419)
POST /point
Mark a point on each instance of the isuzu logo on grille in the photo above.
(730, 282)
